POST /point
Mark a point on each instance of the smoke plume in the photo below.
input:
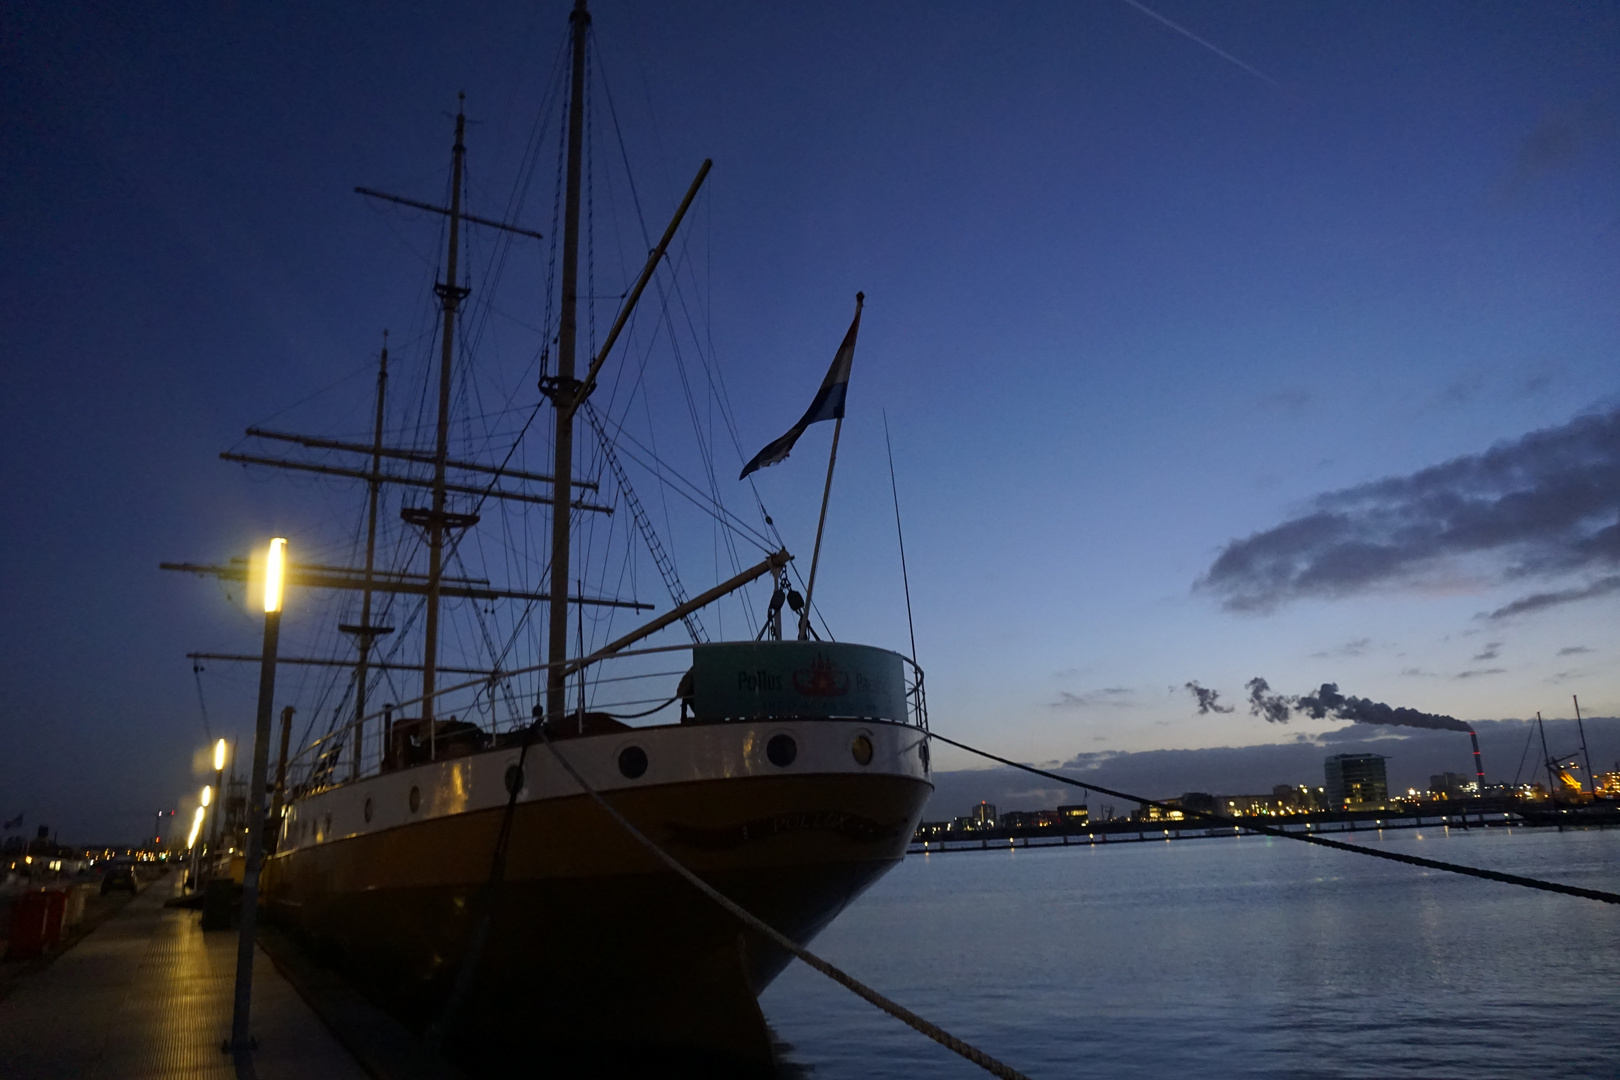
(1262, 702)
(1328, 703)
(1208, 700)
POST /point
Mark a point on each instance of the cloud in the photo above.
(1491, 652)
(1413, 672)
(1540, 506)
(1538, 601)
(1573, 650)
(1109, 695)
(1479, 673)
(1357, 647)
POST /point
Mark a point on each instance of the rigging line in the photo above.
(705, 452)
(681, 259)
(1309, 838)
(904, 577)
(351, 376)
(717, 510)
(1529, 735)
(208, 729)
(720, 513)
(781, 940)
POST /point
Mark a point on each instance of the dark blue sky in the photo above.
(1150, 325)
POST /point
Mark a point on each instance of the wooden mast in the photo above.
(564, 389)
(366, 634)
(437, 520)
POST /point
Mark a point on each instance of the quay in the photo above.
(147, 995)
(1098, 834)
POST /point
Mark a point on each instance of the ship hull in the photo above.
(591, 942)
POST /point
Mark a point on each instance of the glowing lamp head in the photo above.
(196, 827)
(207, 794)
(219, 756)
(275, 568)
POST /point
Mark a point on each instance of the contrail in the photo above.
(1217, 50)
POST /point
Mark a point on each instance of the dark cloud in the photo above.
(1491, 651)
(1543, 505)
(1208, 700)
(1537, 601)
(1573, 650)
(1478, 672)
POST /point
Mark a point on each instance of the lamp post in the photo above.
(219, 780)
(196, 831)
(275, 567)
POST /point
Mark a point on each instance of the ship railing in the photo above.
(636, 687)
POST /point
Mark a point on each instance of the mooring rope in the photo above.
(1309, 838)
(894, 1009)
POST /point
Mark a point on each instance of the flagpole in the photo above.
(815, 558)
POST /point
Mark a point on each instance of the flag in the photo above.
(13, 823)
(828, 404)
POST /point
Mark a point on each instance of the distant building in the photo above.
(984, 815)
(1077, 816)
(1298, 800)
(1451, 785)
(1356, 781)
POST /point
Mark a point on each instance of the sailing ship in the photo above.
(457, 868)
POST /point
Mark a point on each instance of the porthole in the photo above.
(922, 752)
(416, 799)
(369, 809)
(861, 749)
(781, 750)
(632, 762)
(514, 779)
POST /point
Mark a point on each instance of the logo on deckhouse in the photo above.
(822, 678)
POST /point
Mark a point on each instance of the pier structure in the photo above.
(147, 996)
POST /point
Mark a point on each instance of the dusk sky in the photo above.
(1216, 340)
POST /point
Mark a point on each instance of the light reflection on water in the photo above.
(1249, 957)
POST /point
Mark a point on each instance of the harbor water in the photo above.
(1227, 957)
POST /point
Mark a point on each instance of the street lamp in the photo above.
(196, 830)
(274, 580)
(219, 780)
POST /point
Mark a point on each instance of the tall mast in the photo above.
(437, 520)
(365, 634)
(565, 388)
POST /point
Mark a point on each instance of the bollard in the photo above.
(219, 904)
